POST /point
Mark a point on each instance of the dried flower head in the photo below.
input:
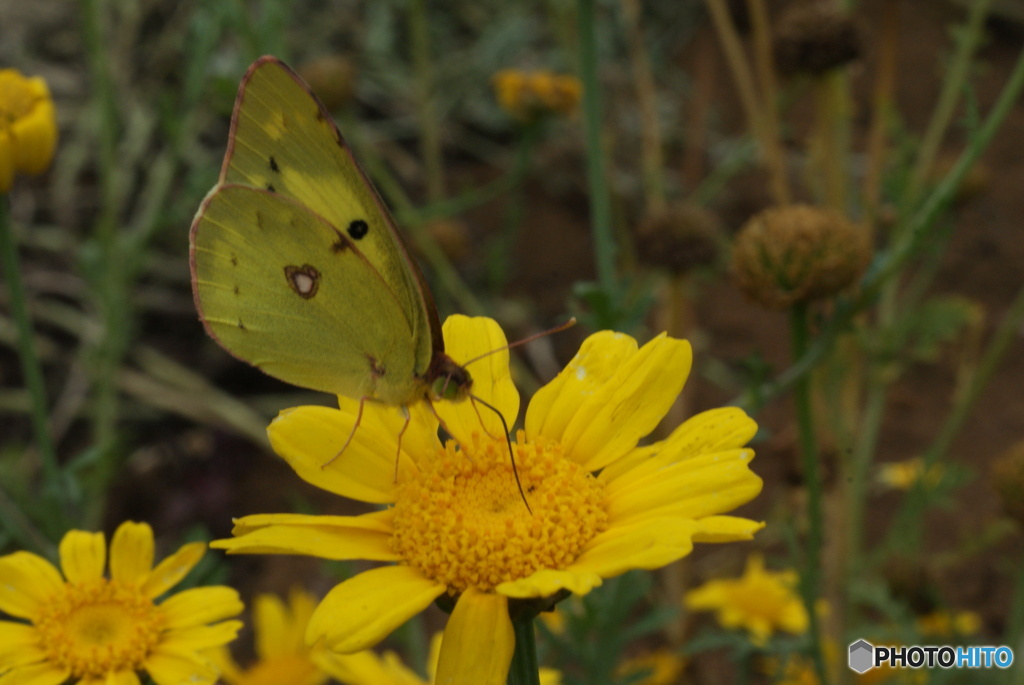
(814, 38)
(798, 253)
(679, 238)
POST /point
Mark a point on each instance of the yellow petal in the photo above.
(310, 438)
(715, 430)
(122, 678)
(467, 340)
(169, 667)
(330, 537)
(26, 581)
(200, 638)
(35, 138)
(609, 399)
(361, 668)
(19, 645)
(553, 406)
(363, 610)
(200, 605)
(131, 552)
(478, 641)
(171, 570)
(37, 674)
(725, 529)
(547, 582)
(82, 556)
(275, 634)
(652, 544)
(706, 485)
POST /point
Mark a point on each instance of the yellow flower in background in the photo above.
(457, 525)
(761, 602)
(87, 628)
(281, 652)
(661, 667)
(944, 623)
(28, 126)
(903, 475)
(529, 95)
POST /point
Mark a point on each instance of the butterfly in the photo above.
(297, 266)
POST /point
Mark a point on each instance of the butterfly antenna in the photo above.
(551, 331)
(508, 441)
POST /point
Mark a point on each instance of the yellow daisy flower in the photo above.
(761, 601)
(28, 126)
(457, 527)
(89, 629)
(281, 651)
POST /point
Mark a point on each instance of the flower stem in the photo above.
(430, 132)
(810, 578)
(600, 199)
(30, 365)
(524, 669)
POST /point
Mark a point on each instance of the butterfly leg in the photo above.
(508, 441)
(352, 433)
(398, 451)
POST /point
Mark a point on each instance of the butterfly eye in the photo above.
(358, 229)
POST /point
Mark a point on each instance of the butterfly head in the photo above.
(447, 380)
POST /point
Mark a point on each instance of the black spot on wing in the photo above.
(273, 165)
(241, 326)
(358, 229)
(234, 258)
(271, 188)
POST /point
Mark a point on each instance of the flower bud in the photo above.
(28, 126)
(798, 253)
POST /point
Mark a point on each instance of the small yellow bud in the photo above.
(28, 126)
(798, 253)
(332, 78)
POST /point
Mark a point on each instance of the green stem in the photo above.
(525, 669)
(30, 365)
(423, 67)
(810, 578)
(952, 88)
(906, 531)
(600, 198)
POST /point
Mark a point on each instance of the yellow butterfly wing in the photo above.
(285, 290)
(292, 202)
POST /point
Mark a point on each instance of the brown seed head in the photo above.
(798, 253)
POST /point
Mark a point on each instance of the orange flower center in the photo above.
(463, 521)
(99, 627)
